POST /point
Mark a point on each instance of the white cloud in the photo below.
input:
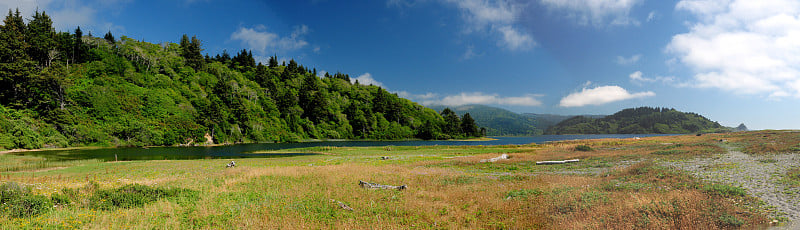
(259, 39)
(469, 53)
(596, 12)
(638, 77)
(629, 60)
(652, 16)
(68, 15)
(366, 79)
(600, 95)
(514, 40)
(498, 17)
(743, 46)
(473, 98)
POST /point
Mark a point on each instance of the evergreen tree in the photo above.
(41, 39)
(273, 61)
(110, 38)
(452, 124)
(15, 66)
(468, 126)
(79, 49)
(12, 35)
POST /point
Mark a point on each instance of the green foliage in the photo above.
(723, 190)
(17, 201)
(583, 148)
(637, 120)
(729, 221)
(135, 195)
(523, 193)
(109, 92)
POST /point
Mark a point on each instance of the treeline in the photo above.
(636, 121)
(62, 89)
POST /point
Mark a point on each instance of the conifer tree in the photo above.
(40, 37)
(110, 37)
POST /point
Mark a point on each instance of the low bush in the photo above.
(29, 205)
(135, 195)
(584, 148)
(723, 190)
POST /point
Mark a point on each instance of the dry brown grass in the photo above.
(443, 193)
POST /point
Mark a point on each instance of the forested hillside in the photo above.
(497, 121)
(637, 120)
(61, 89)
(501, 122)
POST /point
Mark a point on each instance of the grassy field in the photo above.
(617, 184)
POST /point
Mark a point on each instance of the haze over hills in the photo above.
(502, 122)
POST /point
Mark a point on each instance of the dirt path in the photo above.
(759, 175)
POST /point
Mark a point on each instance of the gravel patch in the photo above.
(760, 175)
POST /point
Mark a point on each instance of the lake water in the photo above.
(245, 150)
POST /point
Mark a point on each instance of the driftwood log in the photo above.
(342, 205)
(501, 157)
(556, 162)
(369, 185)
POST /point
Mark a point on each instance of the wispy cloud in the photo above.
(638, 77)
(743, 46)
(600, 95)
(497, 16)
(599, 13)
(366, 79)
(628, 60)
(652, 16)
(259, 39)
(472, 98)
(68, 15)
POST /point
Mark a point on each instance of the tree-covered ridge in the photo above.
(67, 89)
(637, 120)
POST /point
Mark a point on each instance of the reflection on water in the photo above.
(243, 150)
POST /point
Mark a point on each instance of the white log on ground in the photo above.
(557, 162)
(501, 157)
(369, 185)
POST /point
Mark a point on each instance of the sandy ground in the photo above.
(760, 175)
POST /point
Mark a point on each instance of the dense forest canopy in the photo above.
(637, 120)
(61, 89)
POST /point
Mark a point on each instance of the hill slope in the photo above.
(66, 89)
(497, 121)
(501, 122)
(637, 120)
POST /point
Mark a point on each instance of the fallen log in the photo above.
(369, 185)
(556, 162)
(501, 157)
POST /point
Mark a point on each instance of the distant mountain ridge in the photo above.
(638, 120)
(501, 122)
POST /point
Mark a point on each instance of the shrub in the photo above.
(60, 199)
(726, 220)
(724, 190)
(135, 195)
(27, 206)
(11, 191)
(584, 148)
(523, 193)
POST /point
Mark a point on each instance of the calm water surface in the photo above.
(245, 150)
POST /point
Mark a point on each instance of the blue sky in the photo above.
(734, 61)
